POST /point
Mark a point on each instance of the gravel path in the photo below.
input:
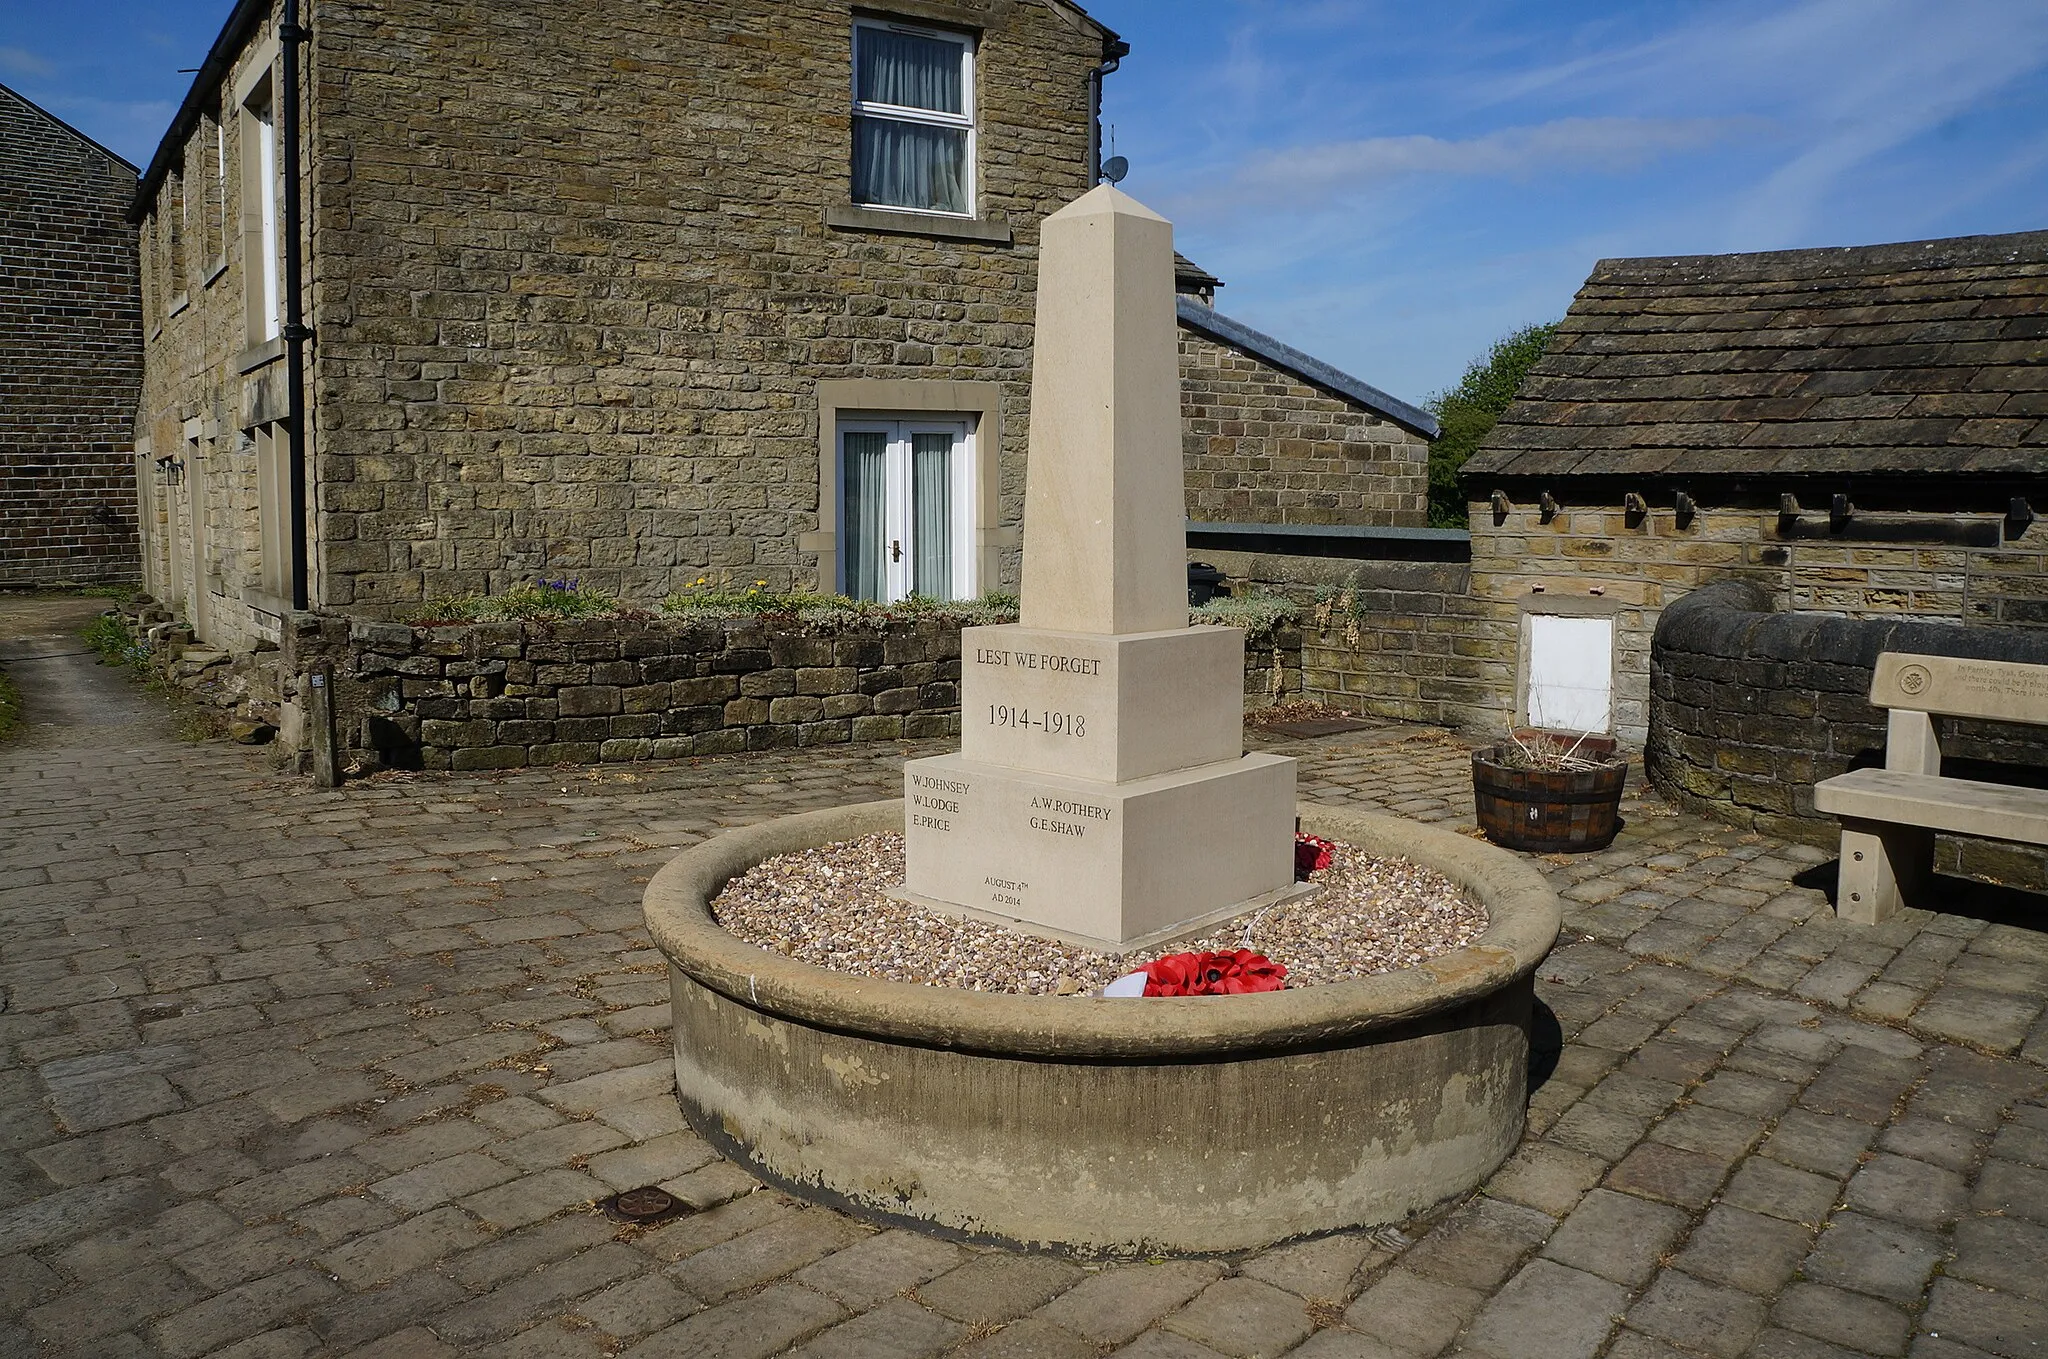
(829, 907)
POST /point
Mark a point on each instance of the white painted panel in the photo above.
(1571, 672)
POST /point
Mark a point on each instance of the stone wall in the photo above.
(1262, 446)
(1438, 648)
(506, 695)
(579, 329)
(70, 354)
(1750, 708)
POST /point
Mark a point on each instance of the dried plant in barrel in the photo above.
(1549, 793)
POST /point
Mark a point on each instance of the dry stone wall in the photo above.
(507, 695)
(1750, 708)
(70, 354)
(1437, 643)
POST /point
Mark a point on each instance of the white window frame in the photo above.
(263, 117)
(898, 513)
(931, 117)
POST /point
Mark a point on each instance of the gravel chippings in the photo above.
(828, 907)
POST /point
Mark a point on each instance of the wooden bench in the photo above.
(1889, 816)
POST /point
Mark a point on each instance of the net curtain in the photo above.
(909, 164)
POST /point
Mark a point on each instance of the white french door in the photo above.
(906, 511)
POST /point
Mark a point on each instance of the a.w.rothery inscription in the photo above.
(1050, 661)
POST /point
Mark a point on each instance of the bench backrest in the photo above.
(2000, 691)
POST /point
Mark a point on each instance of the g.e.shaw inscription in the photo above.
(1064, 816)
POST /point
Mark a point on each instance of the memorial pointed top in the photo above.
(1105, 536)
(1102, 201)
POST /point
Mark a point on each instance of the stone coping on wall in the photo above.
(1749, 708)
(582, 691)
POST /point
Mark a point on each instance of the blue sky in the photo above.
(1392, 185)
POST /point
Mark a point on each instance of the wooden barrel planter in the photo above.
(1546, 810)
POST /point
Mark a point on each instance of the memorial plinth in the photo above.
(1102, 793)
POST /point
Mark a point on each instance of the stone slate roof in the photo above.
(1190, 277)
(1927, 356)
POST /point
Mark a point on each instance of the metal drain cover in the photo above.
(646, 1206)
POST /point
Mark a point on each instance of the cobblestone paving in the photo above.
(287, 1072)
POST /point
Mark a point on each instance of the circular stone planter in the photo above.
(1188, 1125)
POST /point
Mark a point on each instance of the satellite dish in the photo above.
(1115, 168)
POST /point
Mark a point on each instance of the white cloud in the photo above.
(1564, 145)
(23, 64)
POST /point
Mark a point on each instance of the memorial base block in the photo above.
(1111, 866)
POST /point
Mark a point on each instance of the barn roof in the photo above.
(1885, 360)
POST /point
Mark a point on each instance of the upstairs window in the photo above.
(261, 240)
(913, 119)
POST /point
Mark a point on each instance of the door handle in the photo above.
(896, 549)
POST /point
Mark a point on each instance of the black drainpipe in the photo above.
(295, 331)
(1113, 53)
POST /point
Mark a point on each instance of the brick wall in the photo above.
(70, 354)
(1393, 639)
(1750, 708)
(1262, 446)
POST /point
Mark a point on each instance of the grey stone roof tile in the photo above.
(1919, 356)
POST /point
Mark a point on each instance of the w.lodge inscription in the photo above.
(934, 802)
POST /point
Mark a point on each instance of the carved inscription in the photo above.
(1005, 892)
(1038, 719)
(2004, 681)
(934, 802)
(1005, 658)
(1065, 816)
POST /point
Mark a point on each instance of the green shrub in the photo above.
(1467, 413)
(704, 598)
(444, 609)
(10, 706)
(542, 600)
(109, 636)
(1253, 613)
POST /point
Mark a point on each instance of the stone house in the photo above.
(633, 295)
(639, 296)
(70, 353)
(1860, 432)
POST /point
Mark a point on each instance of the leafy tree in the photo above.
(1466, 414)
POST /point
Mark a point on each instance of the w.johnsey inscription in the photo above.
(1102, 792)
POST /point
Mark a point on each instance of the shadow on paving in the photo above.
(286, 1072)
(1993, 903)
